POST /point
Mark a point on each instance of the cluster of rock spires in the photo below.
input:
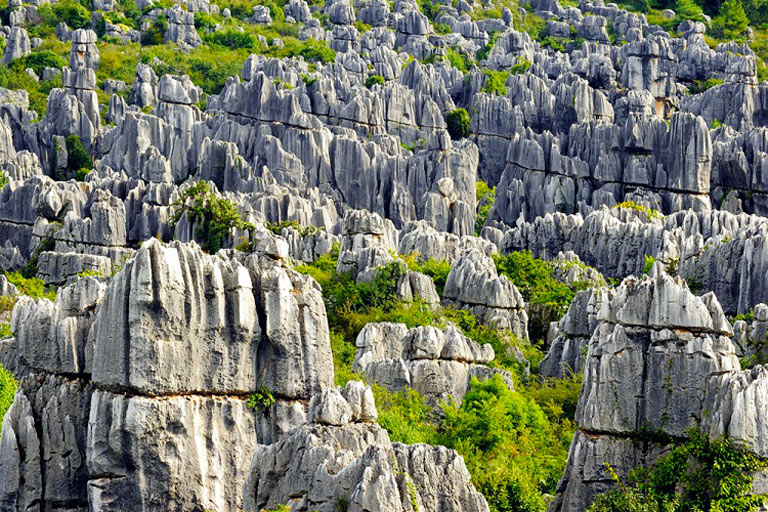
(170, 351)
(135, 389)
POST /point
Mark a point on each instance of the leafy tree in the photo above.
(688, 10)
(73, 13)
(458, 124)
(495, 82)
(485, 196)
(317, 51)
(156, 33)
(233, 39)
(732, 21)
(510, 446)
(77, 157)
(215, 216)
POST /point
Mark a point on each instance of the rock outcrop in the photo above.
(660, 360)
(475, 285)
(342, 456)
(439, 364)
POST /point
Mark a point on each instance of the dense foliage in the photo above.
(77, 157)
(31, 286)
(697, 476)
(7, 390)
(515, 443)
(214, 216)
(533, 278)
(458, 124)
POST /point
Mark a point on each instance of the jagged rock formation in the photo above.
(134, 383)
(439, 364)
(660, 359)
(139, 358)
(474, 284)
(171, 349)
(342, 456)
(568, 339)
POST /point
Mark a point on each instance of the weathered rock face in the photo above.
(439, 364)
(569, 338)
(659, 359)
(719, 251)
(475, 285)
(171, 349)
(340, 456)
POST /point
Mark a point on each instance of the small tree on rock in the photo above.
(458, 124)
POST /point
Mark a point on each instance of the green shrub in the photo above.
(374, 80)
(482, 54)
(554, 43)
(521, 67)
(216, 216)
(512, 450)
(43, 59)
(233, 39)
(404, 415)
(80, 174)
(204, 21)
(458, 124)
(7, 391)
(156, 33)
(261, 399)
(3, 179)
(77, 157)
(687, 10)
(438, 270)
(72, 13)
(700, 475)
(698, 86)
(317, 51)
(458, 60)
(31, 286)
(533, 278)
(495, 82)
(5, 330)
(650, 213)
(648, 262)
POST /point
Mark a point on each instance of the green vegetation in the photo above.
(649, 213)
(731, 22)
(5, 330)
(697, 476)
(483, 53)
(458, 60)
(261, 399)
(485, 197)
(513, 450)
(458, 124)
(79, 162)
(648, 263)
(698, 86)
(31, 286)
(534, 279)
(521, 67)
(215, 217)
(515, 443)
(3, 179)
(495, 82)
(374, 80)
(7, 390)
